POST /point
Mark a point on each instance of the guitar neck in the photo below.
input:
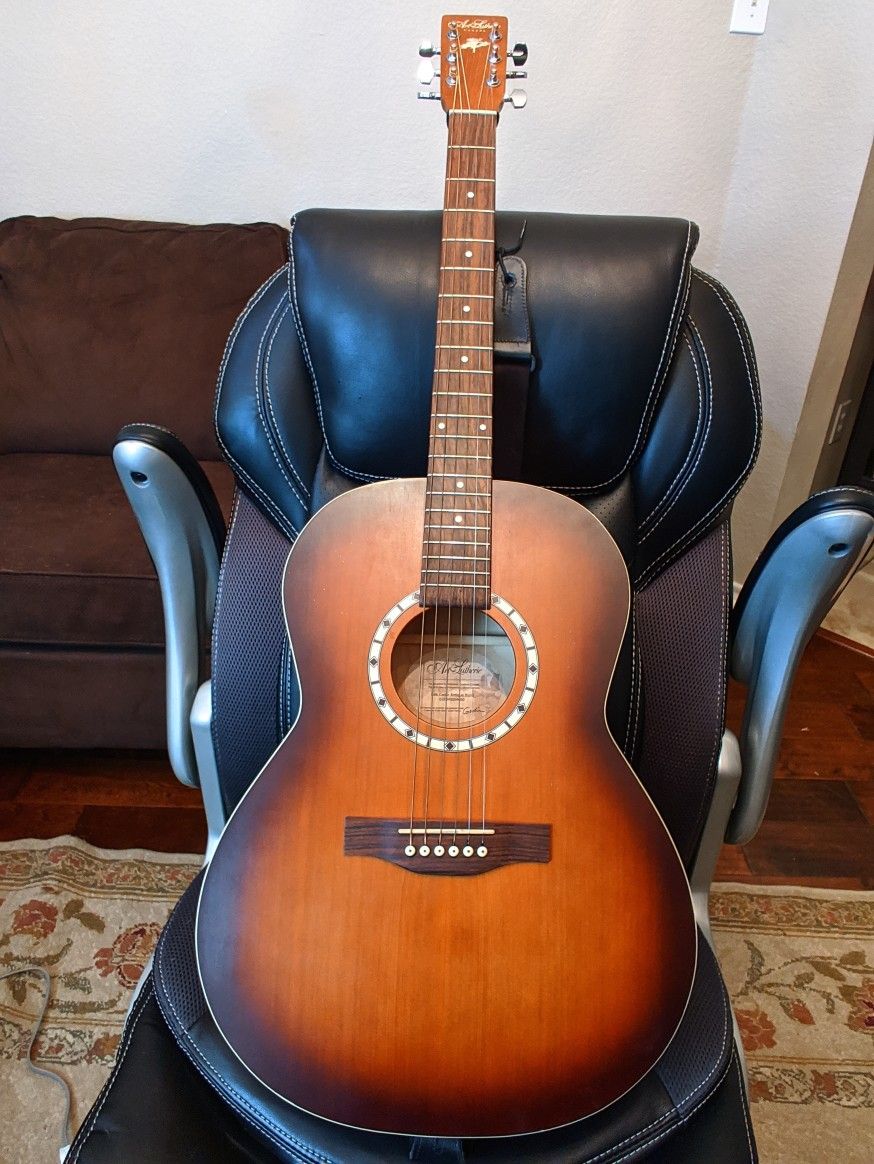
(456, 553)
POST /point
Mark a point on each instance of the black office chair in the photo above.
(643, 405)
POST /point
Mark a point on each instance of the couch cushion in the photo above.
(103, 322)
(74, 569)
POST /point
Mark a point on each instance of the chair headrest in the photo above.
(606, 297)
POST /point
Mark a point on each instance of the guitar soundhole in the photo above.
(453, 668)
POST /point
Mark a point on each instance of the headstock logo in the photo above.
(473, 45)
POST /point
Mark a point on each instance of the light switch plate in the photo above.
(749, 16)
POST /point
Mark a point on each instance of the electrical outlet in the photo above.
(749, 16)
(839, 421)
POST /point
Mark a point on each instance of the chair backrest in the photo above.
(643, 406)
(103, 321)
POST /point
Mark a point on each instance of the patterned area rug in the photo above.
(798, 963)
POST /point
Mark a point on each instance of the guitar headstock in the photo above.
(474, 54)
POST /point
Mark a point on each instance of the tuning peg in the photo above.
(517, 75)
(428, 96)
(518, 99)
(426, 49)
(519, 53)
(425, 73)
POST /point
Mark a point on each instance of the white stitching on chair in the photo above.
(298, 321)
(703, 444)
(658, 380)
(685, 1119)
(284, 1139)
(276, 427)
(669, 497)
(258, 366)
(668, 555)
(666, 1115)
(743, 1107)
(87, 1128)
(284, 523)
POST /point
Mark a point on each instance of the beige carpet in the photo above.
(798, 963)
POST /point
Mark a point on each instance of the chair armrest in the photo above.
(184, 530)
(802, 570)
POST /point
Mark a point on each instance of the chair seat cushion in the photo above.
(74, 569)
(693, 1067)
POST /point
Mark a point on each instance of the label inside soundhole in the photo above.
(450, 689)
(453, 669)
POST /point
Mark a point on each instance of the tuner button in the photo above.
(519, 53)
(518, 99)
(426, 49)
(517, 75)
(428, 96)
(425, 73)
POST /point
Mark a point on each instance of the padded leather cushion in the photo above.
(74, 569)
(644, 392)
(371, 354)
(687, 1074)
(103, 322)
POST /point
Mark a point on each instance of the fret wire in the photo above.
(468, 322)
(466, 371)
(459, 558)
(466, 210)
(470, 147)
(489, 269)
(470, 180)
(476, 240)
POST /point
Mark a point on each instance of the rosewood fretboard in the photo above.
(456, 555)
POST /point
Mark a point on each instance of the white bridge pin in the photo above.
(482, 851)
(424, 850)
(410, 851)
(468, 850)
(453, 850)
(439, 850)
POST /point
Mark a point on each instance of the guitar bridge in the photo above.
(450, 849)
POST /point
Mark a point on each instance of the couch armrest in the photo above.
(184, 530)
(799, 574)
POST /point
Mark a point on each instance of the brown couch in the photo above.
(102, 323)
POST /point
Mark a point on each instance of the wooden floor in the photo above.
(819, 829)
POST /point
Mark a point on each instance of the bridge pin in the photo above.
(468, 850)
(424, 851)
(439, 850)
(453, 850)
(482, 851)
(410, 851)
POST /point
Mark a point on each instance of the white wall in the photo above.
(208, 111)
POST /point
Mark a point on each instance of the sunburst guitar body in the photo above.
(446, 906)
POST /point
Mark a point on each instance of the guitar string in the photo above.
(488, 506)
(448, 185)
(454, 172)
(473, 165)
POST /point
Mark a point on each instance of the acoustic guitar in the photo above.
(446, 906)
